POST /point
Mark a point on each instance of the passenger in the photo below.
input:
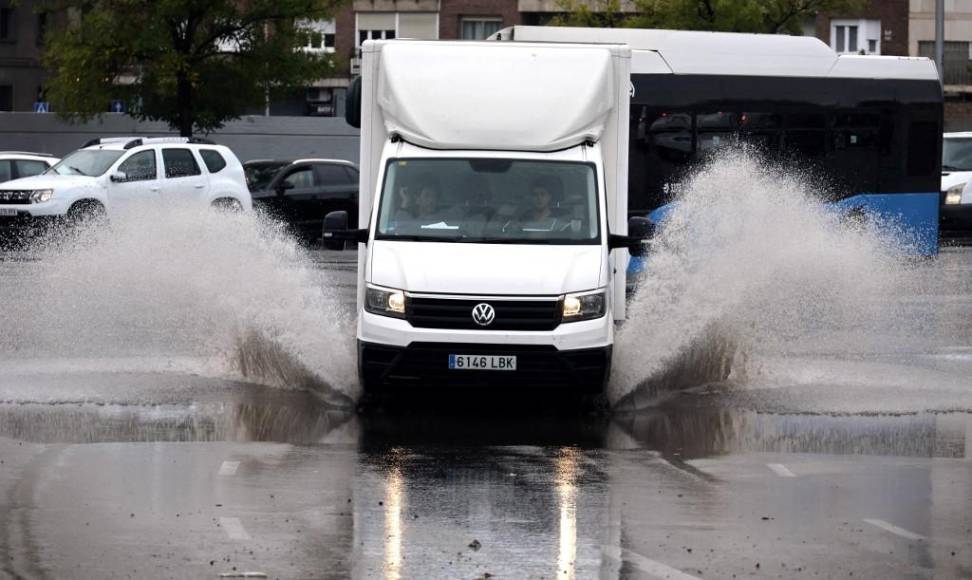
(426, 202)
(544, 191)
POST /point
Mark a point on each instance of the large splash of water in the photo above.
(750, 267)
(200, 292)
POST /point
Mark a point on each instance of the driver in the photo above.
(543, 190)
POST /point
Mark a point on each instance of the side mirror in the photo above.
(335, 222)
(118, 177)
(352, 104)
(336, 231)
(640, 230)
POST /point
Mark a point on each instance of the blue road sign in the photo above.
(42, 107)
(117, 106)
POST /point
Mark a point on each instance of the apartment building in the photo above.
(880, 28)
(958, 41)
(21, 73)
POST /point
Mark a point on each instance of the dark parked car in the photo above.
(303, 191)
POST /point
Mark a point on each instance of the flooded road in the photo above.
(820, 463)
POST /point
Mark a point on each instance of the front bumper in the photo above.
(425, 365)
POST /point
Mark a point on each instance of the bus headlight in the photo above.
(385, 302)
(954, 194)
(586, 306)
(41, 195)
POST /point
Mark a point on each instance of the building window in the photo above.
(364, 35)
(41, 28)
(478, 28)
(7, 25)
(319, 35)
(855, 36)
(6, 98)
(958, 60)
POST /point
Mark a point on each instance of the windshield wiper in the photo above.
(73, 168)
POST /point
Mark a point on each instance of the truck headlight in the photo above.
(385, 302)
(41, 195)
(585, 306)
(954, 194)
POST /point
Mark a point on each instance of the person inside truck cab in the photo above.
(544, 191)
(425, 206)
(418, 200)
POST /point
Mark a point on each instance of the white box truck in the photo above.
(493, 229)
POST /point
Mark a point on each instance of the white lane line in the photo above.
(234, 528)
(888, 527)
(653, 568)
(780, 469)
(229, 467)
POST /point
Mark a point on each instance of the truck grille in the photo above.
(511, 314)
(14, 197)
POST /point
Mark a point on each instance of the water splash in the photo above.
(234, 293)
(749, 263)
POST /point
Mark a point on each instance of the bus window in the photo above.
(923, 148)
(761, 130)
(715, 130)
(809, 144)
(671, 137)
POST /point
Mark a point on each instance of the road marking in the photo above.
(656, 569)
(229, 467)
(895, 529)
(234, 528)
(780, 469)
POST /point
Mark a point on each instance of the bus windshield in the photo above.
(957, 154)
(489, 201)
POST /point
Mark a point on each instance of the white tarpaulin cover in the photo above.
(496, 95)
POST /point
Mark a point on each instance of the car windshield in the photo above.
(90, 162)
(957, 154)
(260, 174)
(489, 201)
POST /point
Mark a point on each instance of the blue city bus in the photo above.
(872, 125)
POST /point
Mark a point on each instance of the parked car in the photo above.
(17, 164)
(956, 204)
(301, 192)
(109, 176)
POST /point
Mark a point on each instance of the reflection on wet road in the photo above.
(264, 481)
(170, 471)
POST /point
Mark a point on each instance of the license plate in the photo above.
(481, 362)
(8, 212)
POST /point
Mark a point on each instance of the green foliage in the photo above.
(766, 16)
(591, 14)
(194, 64)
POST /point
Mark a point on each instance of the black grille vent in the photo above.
(14, 197)
(510, 314)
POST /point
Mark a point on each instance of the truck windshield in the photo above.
(489, 201)
(956, 154)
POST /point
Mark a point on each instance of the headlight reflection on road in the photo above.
(393, 524)
(567, 492)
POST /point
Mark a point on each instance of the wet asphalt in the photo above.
(177, 475)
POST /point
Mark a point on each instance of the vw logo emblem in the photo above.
(483, 314)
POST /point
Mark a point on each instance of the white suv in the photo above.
(109, 176)
(17, 164)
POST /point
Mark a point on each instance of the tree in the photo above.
(765, 16)
(194, 64)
